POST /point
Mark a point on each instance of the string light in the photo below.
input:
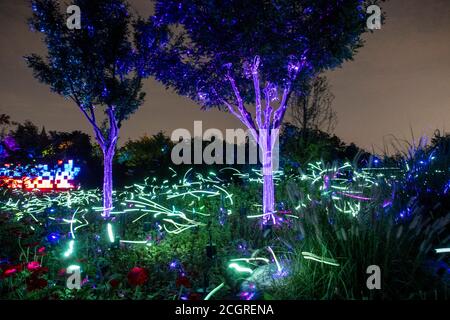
(310, 256)
(239, 268)
(110, 233)
(213, 292)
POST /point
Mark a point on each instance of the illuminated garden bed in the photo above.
(199, 236)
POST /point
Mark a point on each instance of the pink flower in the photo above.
(9, 272)
(84, 281)
(33, 266)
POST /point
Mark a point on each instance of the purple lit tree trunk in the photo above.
(267, 172)
(107, 182)
(108, 145)
(108, 148)
(265, 128)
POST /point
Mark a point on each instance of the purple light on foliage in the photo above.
(293, 67)
(387, 203)
(326, 182)
(223, 215)
(247, 295)
(354, 196)
(308, 10)
(203, 97)
(447, 187)
(90, 30)
(272, 92)
(280, 274)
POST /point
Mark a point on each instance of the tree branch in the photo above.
(113, 129)
(280, 112)
(268, 111)
(231, 109)
(237, 115)
(246, 117)
(255, 76)
(91, 118)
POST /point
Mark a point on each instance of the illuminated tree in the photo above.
(95, 66)
(218, 46)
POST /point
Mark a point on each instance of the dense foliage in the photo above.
(212, 38)
(324, 242)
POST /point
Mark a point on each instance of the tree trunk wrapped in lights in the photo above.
(107, 143)
(109, 149)
(107, 183)
(265, 129)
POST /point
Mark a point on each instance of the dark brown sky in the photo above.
(399, 80)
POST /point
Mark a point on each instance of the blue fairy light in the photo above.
(53, 237)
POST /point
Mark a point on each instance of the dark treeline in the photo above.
(26, 143)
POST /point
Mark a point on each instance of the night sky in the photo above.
(400, 80)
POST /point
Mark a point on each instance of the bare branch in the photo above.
(246, 117)
(255, 76)
(313, 109)
(232, 110)
(281, 111)
(113, 129)
(268, 111)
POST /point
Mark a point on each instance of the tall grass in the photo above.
(402, 246)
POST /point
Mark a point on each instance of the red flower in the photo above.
(9, 272)
(18, 267)
(42, 270)
(195, 296)
(62, 272)
(137, 276)
(33, 266)
(32, 244)
(114, 283)
(35, 283)
(41, 250)
(17, 233)
(183, 281)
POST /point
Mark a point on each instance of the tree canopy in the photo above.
(211, 38)
(94, 66)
